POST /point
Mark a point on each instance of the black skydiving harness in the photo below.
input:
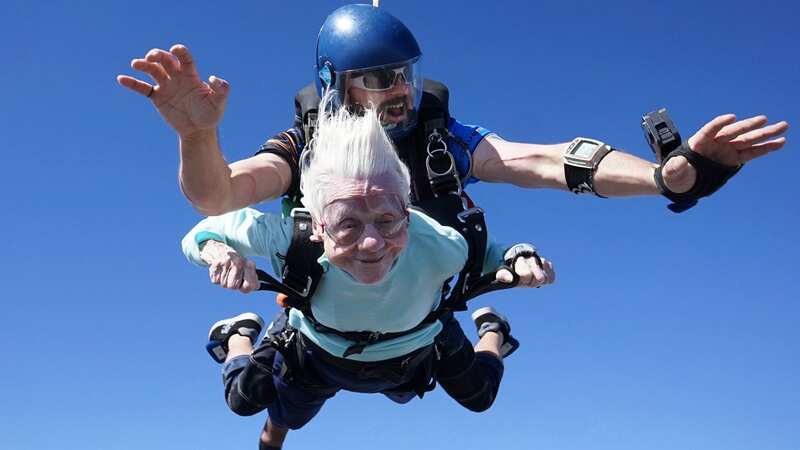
(664, 139)
(436, 190)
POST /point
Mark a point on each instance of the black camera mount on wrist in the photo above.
(664, 139)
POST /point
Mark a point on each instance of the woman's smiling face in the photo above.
(364, 228)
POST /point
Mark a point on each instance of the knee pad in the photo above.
(471, 379)
(240, 404)
(253, 389)
(456, 360)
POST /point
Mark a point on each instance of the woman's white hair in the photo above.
(347, 146)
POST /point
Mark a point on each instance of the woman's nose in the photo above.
(371, 240)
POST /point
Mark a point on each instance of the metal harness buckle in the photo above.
(447, 178)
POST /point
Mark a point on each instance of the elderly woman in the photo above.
(384, 267)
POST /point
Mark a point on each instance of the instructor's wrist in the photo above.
(199, 135)
(679, 175)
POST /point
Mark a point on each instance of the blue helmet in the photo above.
(362, 54)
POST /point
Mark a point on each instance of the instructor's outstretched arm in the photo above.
(194, 109)
(723, 139)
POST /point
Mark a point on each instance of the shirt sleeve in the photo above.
(249, 232)
(494, 255)
(465, 139)
(288, 145)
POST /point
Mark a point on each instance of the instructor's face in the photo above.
(392, 105)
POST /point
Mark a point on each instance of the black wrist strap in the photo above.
(711, 176)
(580, 180)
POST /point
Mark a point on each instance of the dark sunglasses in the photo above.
(380, 79)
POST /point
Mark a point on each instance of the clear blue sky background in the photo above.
(664, 331)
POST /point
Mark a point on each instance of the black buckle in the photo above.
(291, 283)
(359, 346)
(472, 217)
(473, 222)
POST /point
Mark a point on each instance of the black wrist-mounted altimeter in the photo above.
(580, 162)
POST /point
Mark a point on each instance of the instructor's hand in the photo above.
(186, 102)
(728, 142)
(229, 269)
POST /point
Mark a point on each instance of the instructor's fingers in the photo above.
(759, 135)
(184, 58)
(166, 59)
(138, 86)
(155, 70)
(762, 149)
(710, 130)
(218, 85)
(730, 132)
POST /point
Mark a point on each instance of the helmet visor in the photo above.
(393, 91)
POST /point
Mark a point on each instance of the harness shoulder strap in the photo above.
(435, 101)
(301, 271)
(306, 103)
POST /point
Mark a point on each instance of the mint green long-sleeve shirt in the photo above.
(409, 291)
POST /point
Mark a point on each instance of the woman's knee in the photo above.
(250, 391)
(241, 406)
(471, 379)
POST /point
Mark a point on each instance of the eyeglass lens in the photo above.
(349, 231)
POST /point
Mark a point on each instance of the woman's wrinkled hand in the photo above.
(228, 268)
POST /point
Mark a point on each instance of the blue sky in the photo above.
(663, 331)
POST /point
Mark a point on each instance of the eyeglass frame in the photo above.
(404, 221)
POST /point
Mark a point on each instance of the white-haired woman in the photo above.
(384, 267)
